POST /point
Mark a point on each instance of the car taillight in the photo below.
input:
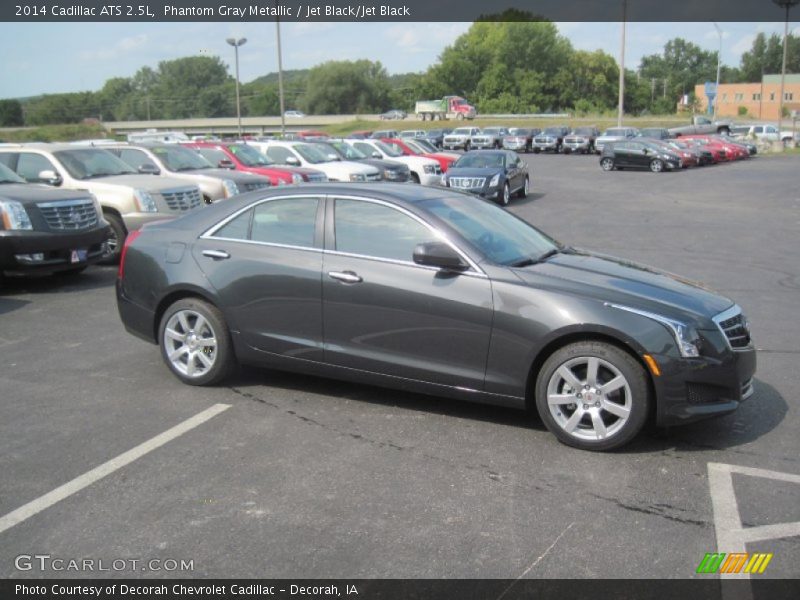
(128, 241)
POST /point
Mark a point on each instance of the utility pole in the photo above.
(719, 58)
(236, 43)
(280, 77)
(785, 4)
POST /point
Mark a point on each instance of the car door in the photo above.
(514, 171)
(640, 155)
(265, 263)
(622, 154)
(385, 314)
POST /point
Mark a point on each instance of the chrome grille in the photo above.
(734, 326)
(69, 214)
(182, 199)
(373, 176)
(467, 182)
(249, 186)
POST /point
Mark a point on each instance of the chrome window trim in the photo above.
(208, 234)
(437, 233)
(724, 316)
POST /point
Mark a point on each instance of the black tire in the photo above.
(224, 361)
(505, 196)
(632, 400)
(523, 191)
(536, 150)
(414, 177)
(656, 165)
(116, 241)
(607, 163)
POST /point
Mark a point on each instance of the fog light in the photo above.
(36, 257)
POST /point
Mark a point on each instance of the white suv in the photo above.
(127, 198)
(301, 154)
(423, 170)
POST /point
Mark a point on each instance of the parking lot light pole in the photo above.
(621, 104)
(236, 43)
(785, 4)
(280, 78)
(719, 58)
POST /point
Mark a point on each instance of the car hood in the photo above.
(616, 280)
(473, 172)
(150, 183)
(342, 169)
(382, 163)
(29, 193)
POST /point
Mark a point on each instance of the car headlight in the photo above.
(358, 177)
(495, 181)
(686, 338)
(297, 178)
(14, 215)
(391, 174)
(145, 201)
(231, 189)
(429, 169)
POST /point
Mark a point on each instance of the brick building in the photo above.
(760, 99)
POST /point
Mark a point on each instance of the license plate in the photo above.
(77, 256)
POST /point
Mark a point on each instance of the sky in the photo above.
(40, 58)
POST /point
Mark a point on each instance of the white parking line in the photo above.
(71, 487)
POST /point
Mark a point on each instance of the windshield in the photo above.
(616, 132)
(249, 156)
(518, 131)
(584, 131)
(347, 152)
(178, 158)
(88, 163)
(311, 154)
(462, 131)
(424, 145)
(8, 176)
(503, 238)
(553, 131)
(479, 160)
(647, 132)
(492, 130)
(389, 149)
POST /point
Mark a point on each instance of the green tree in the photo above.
(683, 64)
(11, 113)
(346, 87)
(766, 56)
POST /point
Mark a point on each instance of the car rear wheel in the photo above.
(592, 395)
(196, 343)
(523, 193)
(607, 164)
(656, 166)
(115, 241)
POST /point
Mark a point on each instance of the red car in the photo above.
(732, 151)
(444, 160)
(242, 157)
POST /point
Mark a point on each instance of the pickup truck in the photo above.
(449, 107)
(701, 125)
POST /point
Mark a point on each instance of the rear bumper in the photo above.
(57, 250)
(137, 320)
(693, 389)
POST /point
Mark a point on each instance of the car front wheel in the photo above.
(115, 241)
(505, 196)
(195, 342)
(656, 166)
(592, 395)
(607, 164)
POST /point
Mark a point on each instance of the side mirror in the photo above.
(333, 157)
(440, 255)
(149, 169)
(645, 151)
(291, 160)
(226, 163)
(377, 154)
(50, 177)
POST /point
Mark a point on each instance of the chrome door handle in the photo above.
(345, 276)
(216, 254)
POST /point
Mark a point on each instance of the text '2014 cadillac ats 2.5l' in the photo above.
(433, 291)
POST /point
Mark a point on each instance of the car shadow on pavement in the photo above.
(359, 392)
(92, 278)
(8, 305)
(531, 197)
(754, 419)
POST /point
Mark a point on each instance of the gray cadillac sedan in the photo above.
(438, 292)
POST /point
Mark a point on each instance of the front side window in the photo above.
(379, 231)
(280, 154)
(177, 158)
(135, 158)
(249, 156)
(30, 165)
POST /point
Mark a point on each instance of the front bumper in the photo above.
(61, 251)
(577, 146)
(545, 146)
(515, 145)
(455, 144)
(482, 145)
(430, 179)
(490, 193)
(690, 389)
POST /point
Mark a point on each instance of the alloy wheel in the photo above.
(190, 343)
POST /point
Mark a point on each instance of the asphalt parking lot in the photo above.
(298, 477)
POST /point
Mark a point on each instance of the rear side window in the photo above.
(134, 158)
(289, 222)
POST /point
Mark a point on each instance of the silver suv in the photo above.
(128, 199)
(173, 160)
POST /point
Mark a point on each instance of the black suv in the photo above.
(638, 155)
(45, 230)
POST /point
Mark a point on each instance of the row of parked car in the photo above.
(64, 206)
